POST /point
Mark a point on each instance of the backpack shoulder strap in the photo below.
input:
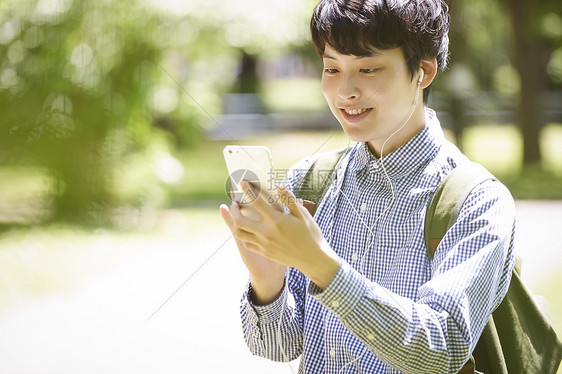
(448, 200)
(317, 177)
(517, 338)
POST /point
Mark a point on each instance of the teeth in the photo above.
(355, 112)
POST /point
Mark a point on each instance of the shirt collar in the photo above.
(421, 148)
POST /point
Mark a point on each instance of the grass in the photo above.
(294, 95)
(496, 147)
(499, 148)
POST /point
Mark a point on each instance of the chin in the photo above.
(356, 133)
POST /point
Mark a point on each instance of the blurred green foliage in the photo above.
(75, 82)
(105, 104)
(96, 96)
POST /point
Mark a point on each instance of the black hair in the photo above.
(353, 27)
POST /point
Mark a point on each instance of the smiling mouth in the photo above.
(355, 112)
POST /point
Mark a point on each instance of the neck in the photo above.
(396, 139)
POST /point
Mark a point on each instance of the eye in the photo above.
(330, 71)
(368, 71)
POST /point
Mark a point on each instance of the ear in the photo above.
(429, 67)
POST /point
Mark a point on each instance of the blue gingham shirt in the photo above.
(390, 308)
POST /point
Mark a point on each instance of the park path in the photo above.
(100, 325)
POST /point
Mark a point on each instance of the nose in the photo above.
(348, 88)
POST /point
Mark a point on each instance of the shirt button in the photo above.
(363, 207)
(371, 337)
(335, 304)
(354, 257)
(332, 352)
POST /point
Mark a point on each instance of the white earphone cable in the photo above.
(414, 106)
(370, 229)
(279, 341)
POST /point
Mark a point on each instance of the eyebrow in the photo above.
(373, 54)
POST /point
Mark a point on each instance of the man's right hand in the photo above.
(266, 276)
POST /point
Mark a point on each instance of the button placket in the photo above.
(256, 334)
(363, 207)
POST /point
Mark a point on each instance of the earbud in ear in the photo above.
(421, 78)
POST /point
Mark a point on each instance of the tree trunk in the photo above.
(529, 62)
(458, 51)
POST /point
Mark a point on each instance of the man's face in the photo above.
(372, 96)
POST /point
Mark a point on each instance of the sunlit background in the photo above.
(113, 116)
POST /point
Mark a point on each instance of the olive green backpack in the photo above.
(518, 338)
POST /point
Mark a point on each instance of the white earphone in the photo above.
(421, 78)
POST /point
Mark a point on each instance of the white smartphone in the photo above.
(254, 164)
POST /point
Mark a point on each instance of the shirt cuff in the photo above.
(269, 313)
(343, 293)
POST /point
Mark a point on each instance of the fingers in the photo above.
(226, 217)
(267, 209)
(290, 200)
(244, 237)
(245, 221)
(259, 200)
(250, 240)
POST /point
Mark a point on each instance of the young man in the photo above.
(352, 289)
